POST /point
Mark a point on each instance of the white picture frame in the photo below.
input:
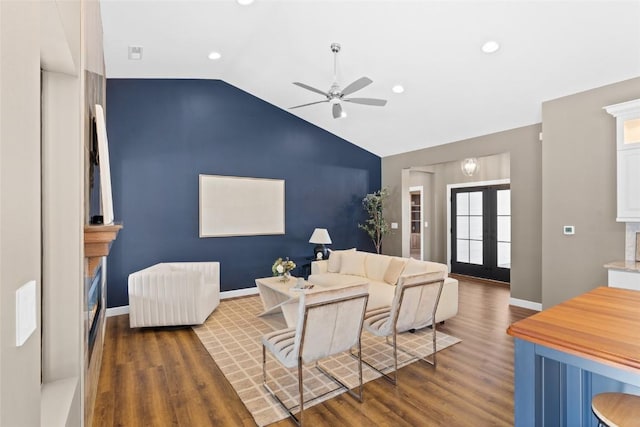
(240, 206)
(106, 198)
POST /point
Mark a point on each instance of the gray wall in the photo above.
(19, 206)
(579, 188)
(524, 149)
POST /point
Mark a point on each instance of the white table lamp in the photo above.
(320, 237)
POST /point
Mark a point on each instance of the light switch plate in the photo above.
(394, 225)
(568, 230)
(25, 312)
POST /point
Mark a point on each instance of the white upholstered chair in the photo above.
(329, 322)
(174, 293)
(414, 306)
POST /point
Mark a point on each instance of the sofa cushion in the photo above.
(335, 258)
(380, 295)
(376, 265)
(413, 266)
(331, 280)
(352, 262)
(394, 270)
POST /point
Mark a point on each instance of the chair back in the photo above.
(330, 322)
(415, 300)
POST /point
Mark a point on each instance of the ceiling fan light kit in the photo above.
(335, 95)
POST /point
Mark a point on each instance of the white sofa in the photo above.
(382, 273)
(171, 294)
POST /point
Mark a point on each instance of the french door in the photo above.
(481, 231)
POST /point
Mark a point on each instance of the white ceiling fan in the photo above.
(335, 95)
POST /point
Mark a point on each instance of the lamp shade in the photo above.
(320, 236)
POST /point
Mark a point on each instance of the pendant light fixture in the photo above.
(469, 166)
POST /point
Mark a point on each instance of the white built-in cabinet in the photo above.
(627, 116)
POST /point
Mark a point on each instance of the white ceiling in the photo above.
(453, 91)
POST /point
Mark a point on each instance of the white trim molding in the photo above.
(239, 293)
(118, 311)
(525, 304)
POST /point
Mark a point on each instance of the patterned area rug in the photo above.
(232, 335)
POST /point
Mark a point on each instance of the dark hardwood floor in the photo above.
(165, 377)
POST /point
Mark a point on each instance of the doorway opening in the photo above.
(416, 242)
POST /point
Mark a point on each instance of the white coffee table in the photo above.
(277, 296)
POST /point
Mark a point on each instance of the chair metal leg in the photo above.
(394, 344)
(299, 419)
(273, 393)
(392, 379)
(358, 396)
(424, 359)
(395, 357)
(300, 391)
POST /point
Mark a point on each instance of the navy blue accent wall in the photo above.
(164, 133)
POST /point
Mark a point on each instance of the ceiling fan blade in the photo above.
(357, 85)
(367, 101)
(310, 103)
(312, 89)
(337, 111)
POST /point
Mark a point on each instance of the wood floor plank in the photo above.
(165, 377)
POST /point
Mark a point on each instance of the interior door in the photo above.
(481, 232)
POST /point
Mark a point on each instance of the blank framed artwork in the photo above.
(239, 206)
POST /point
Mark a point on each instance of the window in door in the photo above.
(481, 232)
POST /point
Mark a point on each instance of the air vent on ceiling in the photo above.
(135, 52)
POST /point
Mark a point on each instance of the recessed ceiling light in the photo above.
(343, 114)
(491, 46)
(214, 56)
(244, 2)
(398, 89)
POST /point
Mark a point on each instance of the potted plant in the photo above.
(376, 226)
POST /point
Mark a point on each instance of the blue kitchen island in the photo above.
(566, 354)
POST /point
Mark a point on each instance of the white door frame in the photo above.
(461, 185)
(420, 189)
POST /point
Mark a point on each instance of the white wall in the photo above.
(19, 205)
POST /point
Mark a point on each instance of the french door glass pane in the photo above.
(462, 204)
(475, 228)
(462, 227)
(462, 250)
(504, 228)
(504, 202)
(475, 203)
(475, 252)
(504, 255)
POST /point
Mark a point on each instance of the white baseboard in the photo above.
(525, 304)
(239, 293)
(117, 311)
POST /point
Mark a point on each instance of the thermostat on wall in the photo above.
(568, 230)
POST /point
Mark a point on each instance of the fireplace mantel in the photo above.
(97, 242)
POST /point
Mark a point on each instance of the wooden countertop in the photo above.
(633, 266)
(601, 325)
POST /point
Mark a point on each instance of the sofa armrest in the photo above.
(319, 267)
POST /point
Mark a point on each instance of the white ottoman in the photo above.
(176, 293)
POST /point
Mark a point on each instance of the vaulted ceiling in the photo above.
(453, 90)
